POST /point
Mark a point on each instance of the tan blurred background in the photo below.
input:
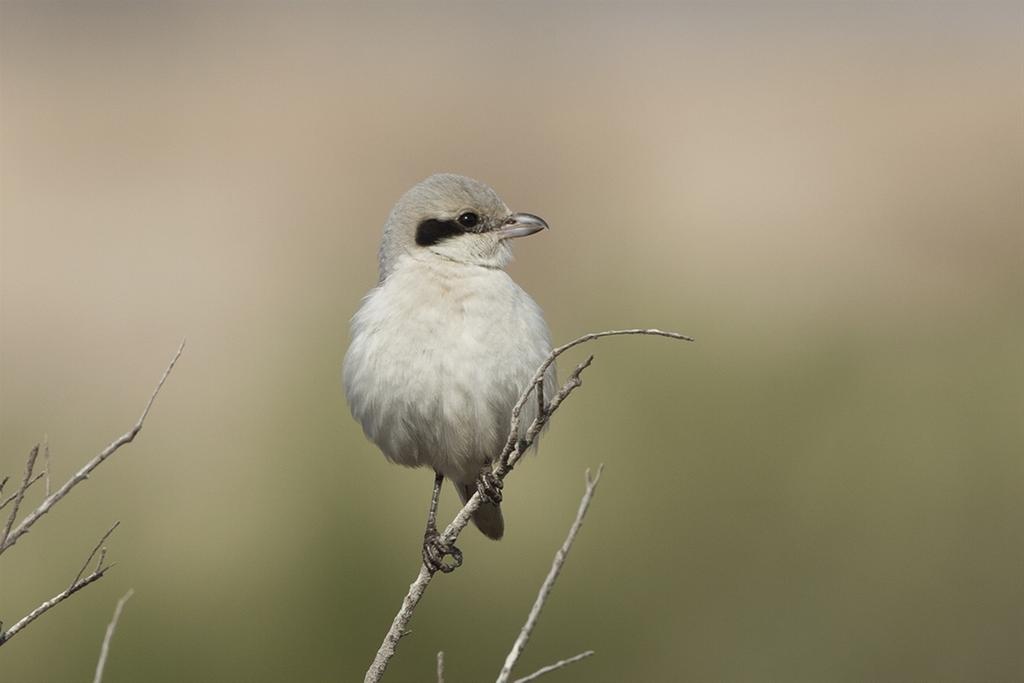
(826, 487)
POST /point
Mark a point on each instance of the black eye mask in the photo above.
(432, 231)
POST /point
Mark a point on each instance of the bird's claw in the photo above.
(489, 486)
(435, 552)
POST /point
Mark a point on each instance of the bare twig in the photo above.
(46, 461)
(510, 454)
(52, 602)
(387, 649)
(78, 584)
(440, 666)
(513, 450)
(111, 627)
(545, 589)
(97, 549)
(30, 463)
(552, 667)
(14, 495)
(83, 474)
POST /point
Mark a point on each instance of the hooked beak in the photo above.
(520, 225)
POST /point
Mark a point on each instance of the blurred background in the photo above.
(827, 486)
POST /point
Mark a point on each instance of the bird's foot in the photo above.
(489, 486)
(435, 552)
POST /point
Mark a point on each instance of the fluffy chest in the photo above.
(439, 355)
(473, 325)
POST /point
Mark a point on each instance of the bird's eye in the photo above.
(468, 219)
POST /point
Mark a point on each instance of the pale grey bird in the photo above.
(446, 342)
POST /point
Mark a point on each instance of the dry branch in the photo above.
(11, 533)
(99, 548)
(553, 667)
(46, 461)
(30, 464)
(514, 449)
(78, 584)
(10, 499)
(109, 635)
(549, 582)
(11, 537)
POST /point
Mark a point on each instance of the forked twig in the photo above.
(11, 533)
(30, 464)
(78, 584)
(97, 549)
(513, 450)
(10, 499)
(11, 537)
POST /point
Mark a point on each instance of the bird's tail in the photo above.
(488, 517)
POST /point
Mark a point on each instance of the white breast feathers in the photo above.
(440, 353)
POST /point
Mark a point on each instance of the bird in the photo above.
(446, 342)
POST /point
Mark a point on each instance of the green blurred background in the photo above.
(827, 486)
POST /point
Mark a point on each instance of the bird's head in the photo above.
(452, 217)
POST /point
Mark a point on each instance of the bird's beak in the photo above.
(520, 225)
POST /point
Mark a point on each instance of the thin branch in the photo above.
(513, 450)
(52, 602)
(549, 583)
(30, 464)
(573, 383)
(111, 627)
(46, 460)
(440, 666)
(538, 379)
(103, 554)
(83, 473)
(78, 584)
(552, 667)
(14, 495)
